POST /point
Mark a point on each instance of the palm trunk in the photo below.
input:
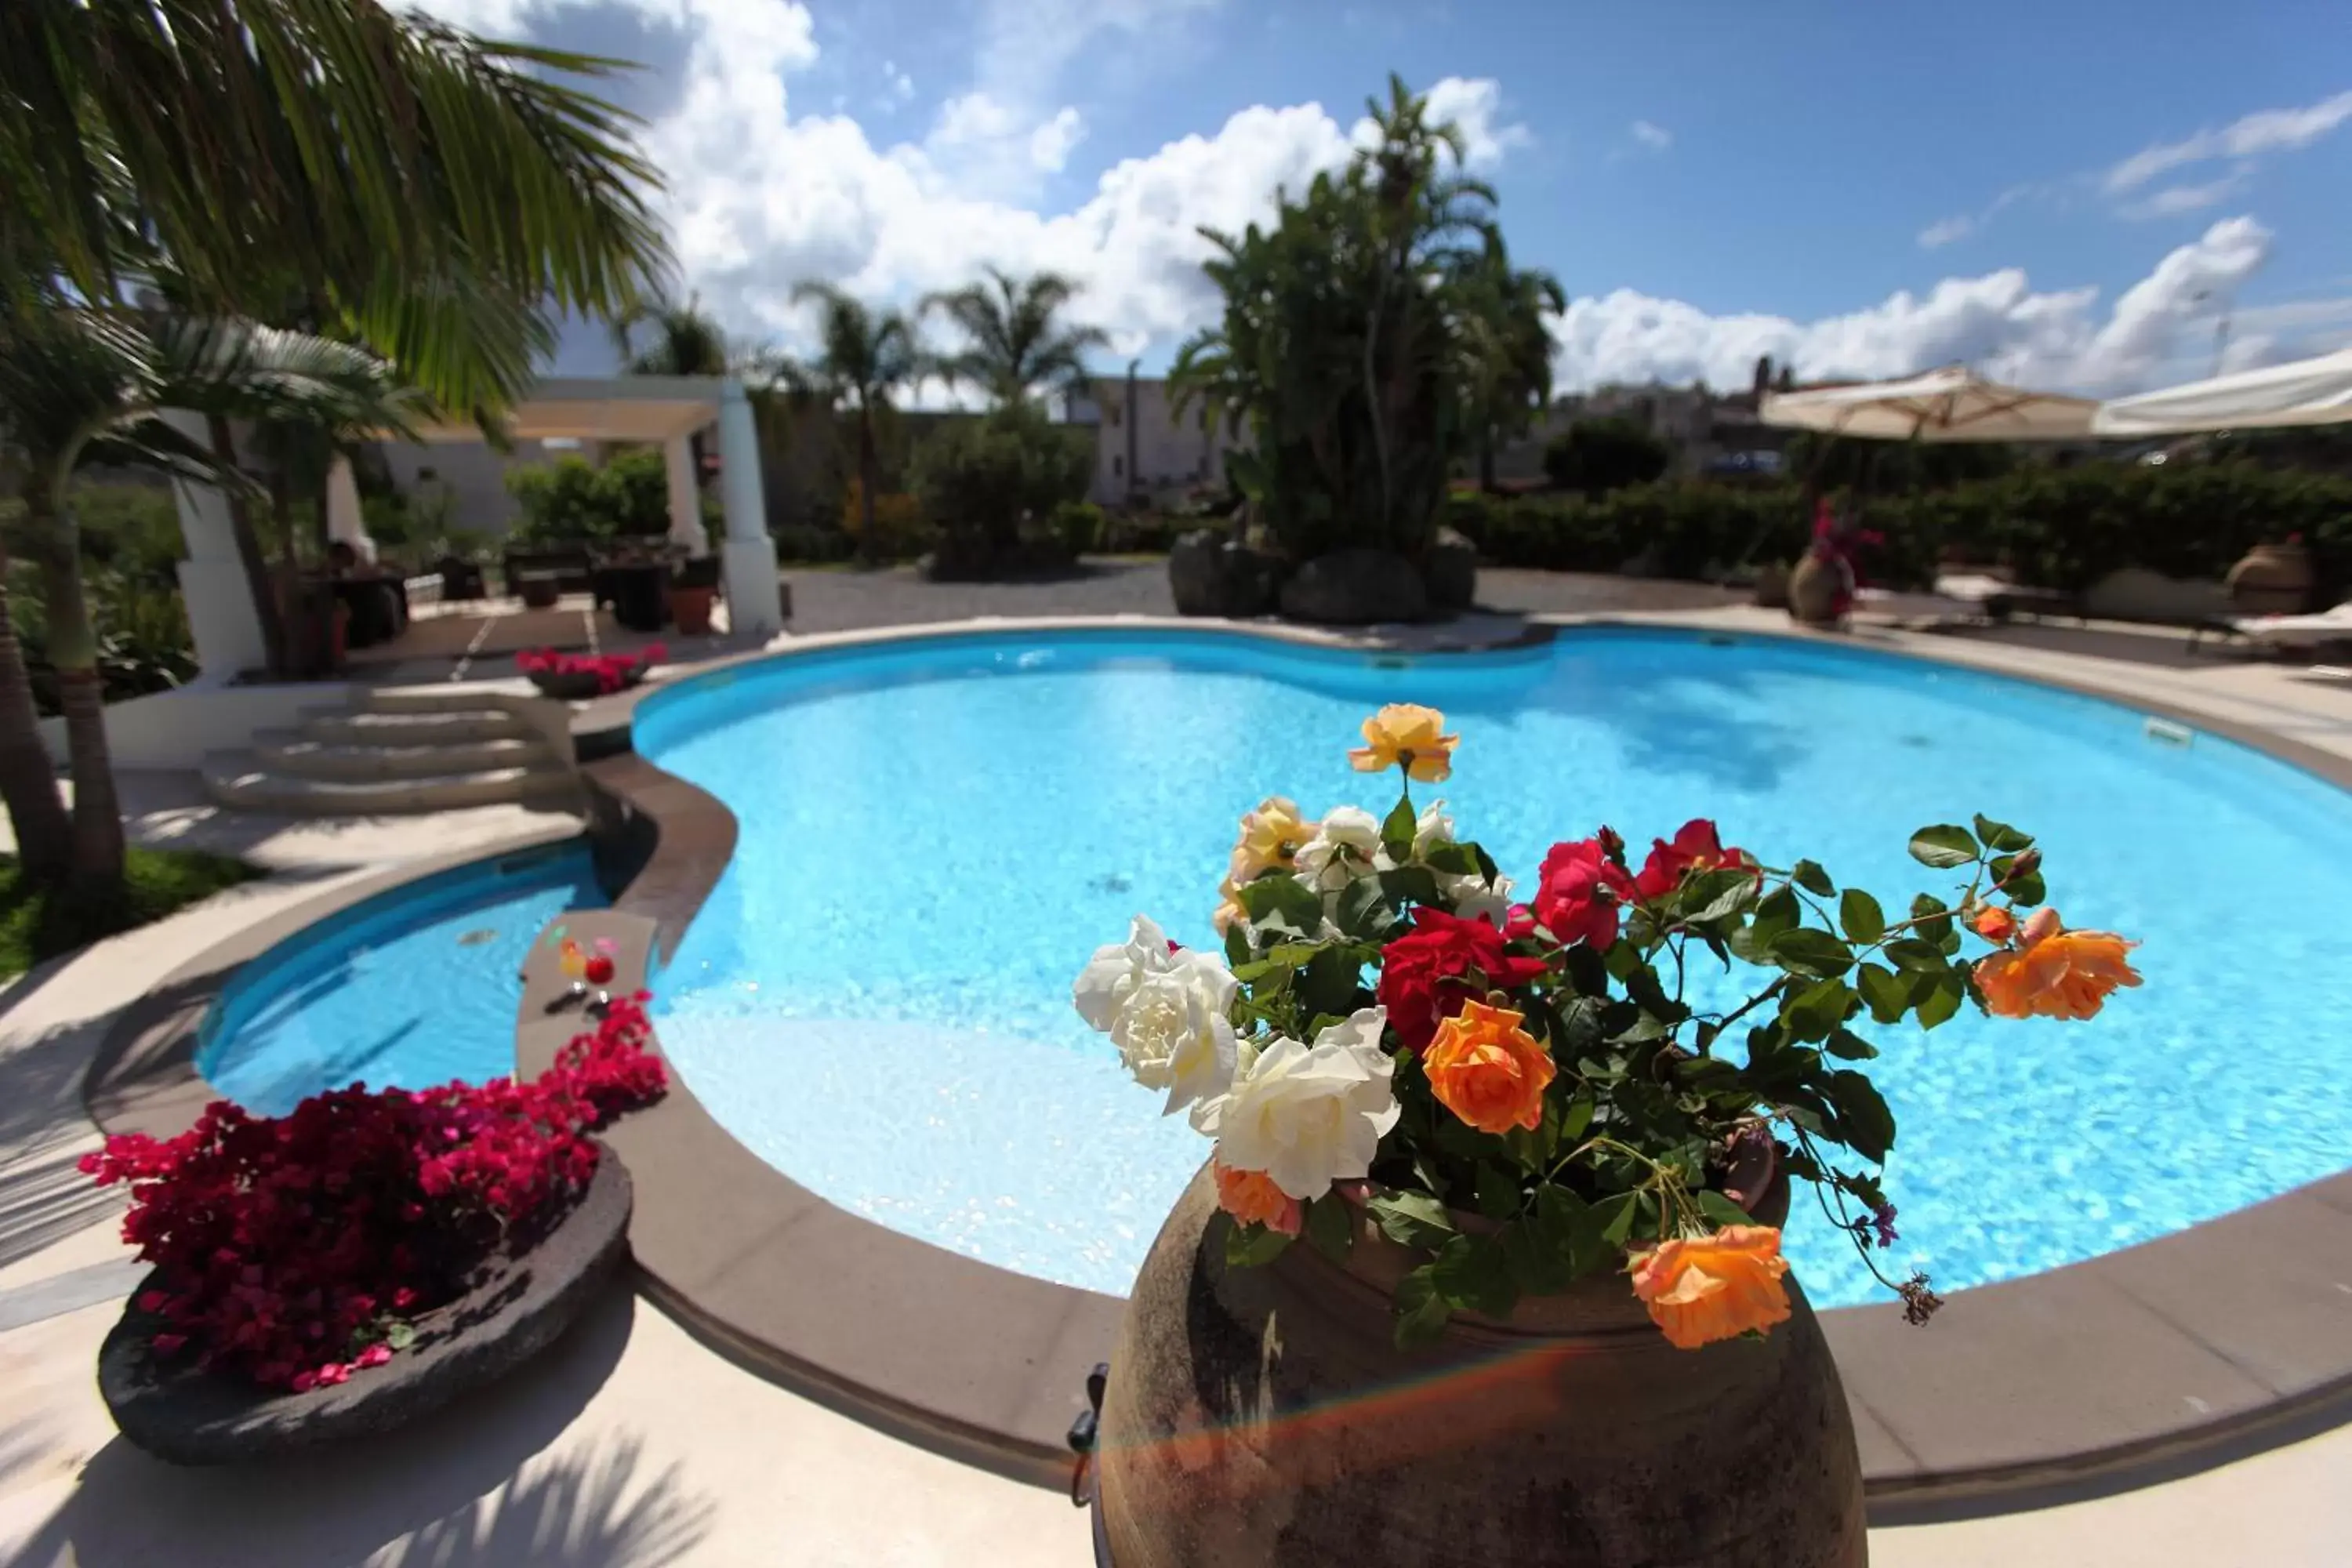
(869, 476)
(73, 649)
(28, 783)
(249, 555)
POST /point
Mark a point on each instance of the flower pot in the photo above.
(578, 686)
(1264, 1414)
(690, 609)
(2272, 580)
(1771, 589)
(539, 590)
(1817, 589)
(517, 1308)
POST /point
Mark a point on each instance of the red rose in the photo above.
(1696, 848)
(1445, 961)
(1579, 892)
(598, 970)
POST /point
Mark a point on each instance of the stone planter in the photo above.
(1772, 587)
(518, 1307)
(1259, 1416)
(690, 609)
(1209, 574)
(1815, 588)
(2272, 580)
(577, 686)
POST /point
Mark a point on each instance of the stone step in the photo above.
(242, 779)
(340, 726)
(291, 752)
(428, 700)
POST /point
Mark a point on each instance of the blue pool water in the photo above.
(415, 987)
(936, 836)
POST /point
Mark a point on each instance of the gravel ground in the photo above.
(846, 601)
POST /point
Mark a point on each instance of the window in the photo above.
(1119, 467)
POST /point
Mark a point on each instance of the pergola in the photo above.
(667, 410)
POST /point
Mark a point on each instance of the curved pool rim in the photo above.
(2177, 1355)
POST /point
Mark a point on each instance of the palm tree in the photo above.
(1015, 343)
(684, 339)
(83, 385)
(863, 360)
(1507, 348)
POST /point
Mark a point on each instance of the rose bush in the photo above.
(612, 672)
(1538, 1064)
(297, 1249)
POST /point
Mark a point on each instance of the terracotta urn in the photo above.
(1772, 587)
(2272, 580)
(1815, 589)
(1257, 1415)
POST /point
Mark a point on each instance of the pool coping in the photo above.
(2124, 1370)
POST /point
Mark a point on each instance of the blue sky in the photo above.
(2069, 194)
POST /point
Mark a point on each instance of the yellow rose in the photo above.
(1408, 734)
(1270, 838)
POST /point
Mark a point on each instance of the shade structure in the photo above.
(1953, 403)
(2308, 392)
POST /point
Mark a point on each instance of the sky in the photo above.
(2101, 197)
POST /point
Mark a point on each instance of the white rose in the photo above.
(1307, 1116)
(1473, 899)
(1433, 829)
(1117, 969)
(1346, 842)
(1174, 1030)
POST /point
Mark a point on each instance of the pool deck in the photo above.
(2172, 1362)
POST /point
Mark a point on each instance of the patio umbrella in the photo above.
(2308, 392)
(1953, 403)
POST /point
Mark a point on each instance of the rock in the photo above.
(190, 1418)
(1356, 587)
(1211, 575)
(1449, 570)
(2136, 594)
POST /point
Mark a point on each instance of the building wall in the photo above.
(1170, 455)
(475, 475)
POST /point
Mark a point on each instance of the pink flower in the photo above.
(375, 1355)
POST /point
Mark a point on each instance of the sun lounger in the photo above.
(2331, 625)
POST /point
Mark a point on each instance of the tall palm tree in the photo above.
(1016, 344)
(863, 360)
(660, 336)
(82, 386)
(1507, 348)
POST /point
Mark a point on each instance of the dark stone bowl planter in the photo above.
(577, 686)
(521, 1306)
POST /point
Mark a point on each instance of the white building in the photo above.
(1141, 448)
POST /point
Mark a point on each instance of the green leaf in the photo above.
(1722, 1210)
(2000, 835)
(1920, 957)
(1417, 883)
(1248, 1245)
(1412, 1219)
(1862, 1116)
(1859, 913)
(1886, 994)
(1397, 832)
(1332, 983)
(1847, 1046)
(1539, 1259)
(1420, 1311)
(1808, 951)
(1777, 912)
(1474, 1273)
(400, 1334)
(1931, 918)
(1331, 1227)
(1454, 859)
(1574, 1120)
(1943, 845)
(1943, 1000)
(1237, 944)
(1363, 909)
(1713, 895)
(1811, 1013)
(1613, 1217)
(2027, 890)
(1283, 899)
(1809, 875)
(1497, 1195)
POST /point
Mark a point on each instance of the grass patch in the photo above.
(37, 923)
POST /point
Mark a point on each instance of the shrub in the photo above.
(1080, 525)
(804, 542)
(901, 531)
(981, 480)
(572, 501)
(297, 1249)
(1597, 456)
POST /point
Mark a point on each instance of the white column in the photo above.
(753, 604)
(344, 519)
(222, 616)
(685, 497)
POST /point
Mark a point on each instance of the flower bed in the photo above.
(1519, 1092)
(576, 677)
(296, 1253)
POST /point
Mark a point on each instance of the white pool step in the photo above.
(404, 749)
(244, 779)
(438, 727)
(292, 751)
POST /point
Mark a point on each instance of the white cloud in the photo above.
(1996, 322)
(901, 85)
(1947, 230)
(1656, 138)
(1050, 143)
(2266, 130)
(2174, 200)
(1475, 108)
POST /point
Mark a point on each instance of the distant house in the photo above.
(1142, 451)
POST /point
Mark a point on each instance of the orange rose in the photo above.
(1407, 734)
(1487, 1070)
(2054, 972)
(1996, 925)
(1708, 1287)
(1252, 1198)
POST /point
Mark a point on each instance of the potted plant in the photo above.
(2273, 579)
(1489, 1181)
(693, 584)
(575, 678)
(367, 1257)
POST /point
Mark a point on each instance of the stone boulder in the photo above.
(1210, 573)
(1356, 587)
(2136, 594)
(1449, 570)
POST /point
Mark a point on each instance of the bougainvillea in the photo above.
(297, 1249)
(612, 672)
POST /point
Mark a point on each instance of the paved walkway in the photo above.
(631, 1445)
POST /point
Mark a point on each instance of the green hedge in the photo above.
(2064, 528)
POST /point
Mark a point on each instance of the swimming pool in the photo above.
(936, 833)
(413, 987)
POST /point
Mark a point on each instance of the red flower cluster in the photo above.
(1695, 846)
(1443, 962)
(612, 671)
(1579, 889)
(294, 1249)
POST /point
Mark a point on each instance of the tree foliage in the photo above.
(1597, 456)
(1016, 343)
